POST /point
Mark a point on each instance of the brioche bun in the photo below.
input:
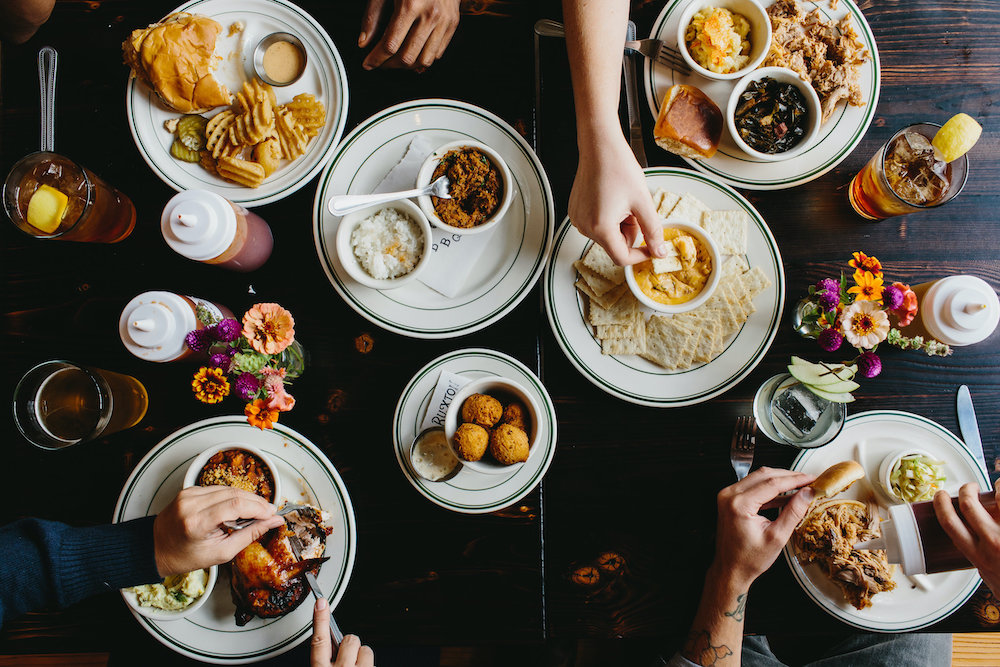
(689, 123)
(175, 58)
(837, 478)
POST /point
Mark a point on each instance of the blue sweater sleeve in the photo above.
(49, 563)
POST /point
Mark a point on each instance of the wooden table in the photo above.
(637, 483)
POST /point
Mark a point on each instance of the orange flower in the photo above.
(865, 264)
(869, 287)
(259, 415)
(268, 328)
(210, 385)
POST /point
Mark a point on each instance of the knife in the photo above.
(296, 544)
(632, 101)
(970, 427)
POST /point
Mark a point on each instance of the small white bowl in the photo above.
(194, 469)
(885, 470)
(350, 261)
(706, 292)
(158, 614)
(782, 75)
(760, 34)
(424, 177)
(500, 388)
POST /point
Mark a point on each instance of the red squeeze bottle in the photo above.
(913, 537)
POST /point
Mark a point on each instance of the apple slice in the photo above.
(842, 397)
(815, 374)
(839, 387)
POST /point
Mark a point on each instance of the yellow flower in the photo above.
(865, 264)
(210, 385)
(259, 415)
(869, 287)
(268, 328)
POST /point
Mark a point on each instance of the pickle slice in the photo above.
(191, 131)
(182, 152)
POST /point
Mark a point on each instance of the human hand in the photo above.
(746, 542)
(610, 201)
(188, 535)
(350, 654)
(417, 33)
(975, 532)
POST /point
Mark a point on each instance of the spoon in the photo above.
(48, 59)
(343, 204)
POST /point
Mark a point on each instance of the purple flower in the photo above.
(198, 340)
(830, 340)
(892, 297)
(869, 365)
(828, 300)
(247, 386)
(828, 285)
(227, 330)
(221, 360)
(231, 351)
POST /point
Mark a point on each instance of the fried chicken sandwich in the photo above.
(175, 58)
(831, 528)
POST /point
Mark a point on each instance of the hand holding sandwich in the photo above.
(746, 545)
(976, 533)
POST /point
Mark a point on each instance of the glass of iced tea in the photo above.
(58, 404)
(49, 196)
(905, 176)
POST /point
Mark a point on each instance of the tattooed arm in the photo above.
(746, 545)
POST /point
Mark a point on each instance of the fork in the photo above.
(741, 450)
(296, 544)
(240, 524)
(657, 50)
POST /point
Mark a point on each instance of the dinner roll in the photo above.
(689, 123)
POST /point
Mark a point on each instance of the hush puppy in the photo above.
(509, 444)
(471, 441)
(516, 414)
(482, 409)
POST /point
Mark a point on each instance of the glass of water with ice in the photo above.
(786, 411)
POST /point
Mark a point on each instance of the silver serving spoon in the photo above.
(343, 204)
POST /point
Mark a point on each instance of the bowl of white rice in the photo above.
(384, 246)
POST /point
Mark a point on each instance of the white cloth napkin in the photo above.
(452, 255)
(447, 386)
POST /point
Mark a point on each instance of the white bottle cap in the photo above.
(198, 224)
(960, 310)
(153, 325)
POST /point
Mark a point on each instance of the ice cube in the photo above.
(914, 172)
(799, 409)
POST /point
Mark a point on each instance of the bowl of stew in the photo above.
(481, 187)
(237, 465)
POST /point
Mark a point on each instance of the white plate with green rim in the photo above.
(472, 492)
(210, 634)
(500, 279)
(867, 438)
(324, 77)
(632, 378)
(837, 138)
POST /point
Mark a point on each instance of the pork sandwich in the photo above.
(175, 58)
(831, 528)
(689, 123)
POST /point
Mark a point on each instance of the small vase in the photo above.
(293, 359)
(803, 327)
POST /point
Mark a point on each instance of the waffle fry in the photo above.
(216, 130)
(207, 162)
(308, 112)
(241, 172)
(291, 135)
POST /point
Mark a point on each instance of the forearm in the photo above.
(595, 40)
(47, 563)
(716, 636)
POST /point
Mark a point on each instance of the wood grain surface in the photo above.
(615, 541)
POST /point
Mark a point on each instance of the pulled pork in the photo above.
(827, 56)
(827, 536)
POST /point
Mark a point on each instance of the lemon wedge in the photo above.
(956, 137)
(46, 208)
